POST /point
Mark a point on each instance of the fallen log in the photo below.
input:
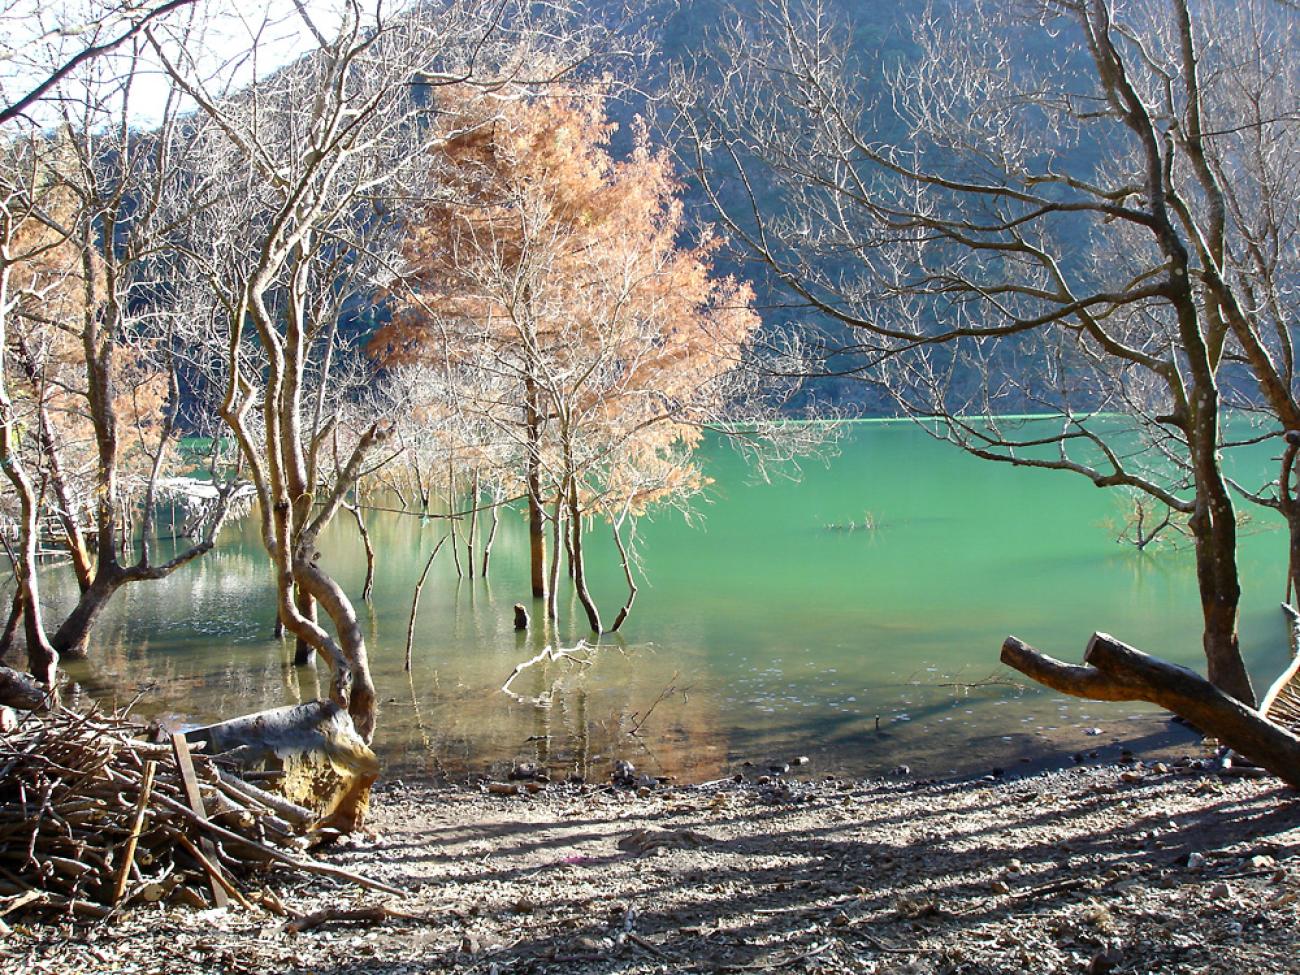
(322, 764)
(19, 690)
(1114, 671)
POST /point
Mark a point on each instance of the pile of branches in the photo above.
(95, 816)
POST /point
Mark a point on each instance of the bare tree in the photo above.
(1037, 218)
(133, 192)
(322, 153)
(45, 44)
(88, 331)
(21, 243)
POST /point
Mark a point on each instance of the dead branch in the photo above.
(548, 653)
(1113, 671)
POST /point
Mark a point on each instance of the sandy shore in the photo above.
(1123, 868)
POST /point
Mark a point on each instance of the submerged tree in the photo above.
(319, 155)
(552, 294)
(1067, 205)
(91, 336)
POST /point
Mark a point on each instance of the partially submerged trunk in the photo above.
(11, 624)
(625, 559)
(491, 537)
(472, 528)
(304, 654)
(453, 518)
(577, 565)
(533, 484)
(415, 602)
(368, 588)
(361, 704)
(73, 634)
(1113, 671)
(557, 527)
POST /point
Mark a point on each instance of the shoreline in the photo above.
(1155, 736)
(1132, 867)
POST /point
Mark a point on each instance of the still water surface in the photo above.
(766, 629)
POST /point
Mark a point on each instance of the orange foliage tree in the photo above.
(551, 295)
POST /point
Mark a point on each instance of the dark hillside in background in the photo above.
(683, 32)
(879, 34)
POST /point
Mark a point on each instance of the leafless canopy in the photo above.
(1077, 207)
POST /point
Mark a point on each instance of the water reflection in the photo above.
(780, 636)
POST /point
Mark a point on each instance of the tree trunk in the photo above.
(626, 560)
(1114, 671)
(452, 516)
(577, 567)
(533, 482)
(67, 515)
(1214, 530)
(368, 589)
(73, 635)
(303, 652)
(42, 659)
(11, 624)
(351, 643)
(557, 526)
(415, 602)
(473, 523)
(491, 537)
(1291, 511)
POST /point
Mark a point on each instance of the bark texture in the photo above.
(1114, 671)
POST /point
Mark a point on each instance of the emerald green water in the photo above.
(778, 634)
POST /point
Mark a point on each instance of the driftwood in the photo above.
(323, 768)
(93, 817)
(18, 690)
(1113, 671)
(573, 654)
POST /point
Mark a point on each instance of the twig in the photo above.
(364, 915)
(548, 653)
(669, 688)
(641, 942)
(990, 681)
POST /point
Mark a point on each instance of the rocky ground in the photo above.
(1130, 868)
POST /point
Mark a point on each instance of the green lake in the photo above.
(766, 629)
